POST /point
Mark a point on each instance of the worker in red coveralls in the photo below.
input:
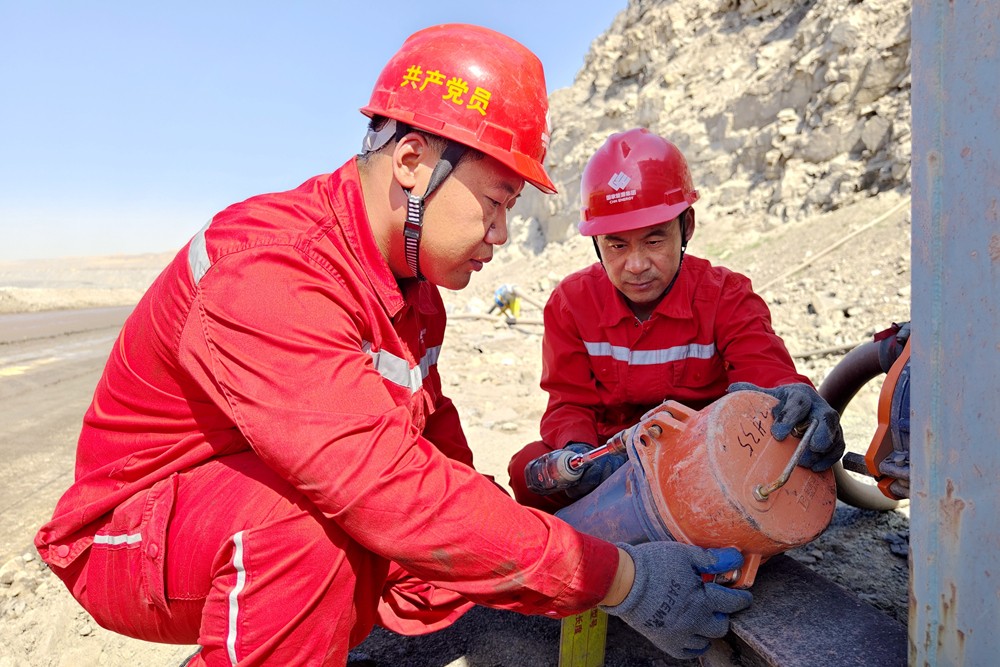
(648, 323)
(269, 467)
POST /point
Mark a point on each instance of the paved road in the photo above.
(49, 365)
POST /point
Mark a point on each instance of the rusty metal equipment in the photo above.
(714, 478)
(954, 557)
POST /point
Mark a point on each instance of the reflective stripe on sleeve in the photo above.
(115, 540)
(398, 371)
(198, 255)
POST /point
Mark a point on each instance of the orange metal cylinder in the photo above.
(692, 477)
(703, 468)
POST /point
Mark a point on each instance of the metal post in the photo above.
(955, 443)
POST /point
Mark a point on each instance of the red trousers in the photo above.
(231, 557)
(519, 486)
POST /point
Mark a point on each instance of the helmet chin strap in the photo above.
(684, 245)
(414, 224)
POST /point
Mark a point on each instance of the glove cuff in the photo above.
(638, 584)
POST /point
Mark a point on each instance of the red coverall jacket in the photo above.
(280, 329)
(603, 368)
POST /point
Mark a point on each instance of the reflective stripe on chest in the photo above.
(650, 357)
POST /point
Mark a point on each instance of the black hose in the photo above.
(855, 370)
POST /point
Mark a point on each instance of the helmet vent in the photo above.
(626, 149)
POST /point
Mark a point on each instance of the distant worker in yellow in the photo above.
(507, 300)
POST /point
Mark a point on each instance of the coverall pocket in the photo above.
(606, 375)
(159, 509)
(698, 373)
(138, 533)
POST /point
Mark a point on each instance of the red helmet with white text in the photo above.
(635, 180)
(474, 86)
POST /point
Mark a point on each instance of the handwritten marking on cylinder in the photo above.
(808, 492)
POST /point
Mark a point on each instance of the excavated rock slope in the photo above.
(783, 108)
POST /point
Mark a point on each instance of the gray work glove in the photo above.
(595, 472)
(669, 602)
(799, 403)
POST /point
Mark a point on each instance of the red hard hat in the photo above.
(636, 179)
(474, 86)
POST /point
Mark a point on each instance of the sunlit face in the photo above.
(464, 218)
(641, 263)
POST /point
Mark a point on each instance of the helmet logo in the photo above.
(619, 181)
(456, 88)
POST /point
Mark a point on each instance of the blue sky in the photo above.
(124, 126)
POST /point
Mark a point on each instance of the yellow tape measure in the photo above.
(582, 639)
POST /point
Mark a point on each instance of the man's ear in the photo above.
(688, 225)
(410, 152)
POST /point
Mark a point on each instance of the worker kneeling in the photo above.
(269, 467)
(648, 323)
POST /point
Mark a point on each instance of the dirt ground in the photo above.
(820, 295)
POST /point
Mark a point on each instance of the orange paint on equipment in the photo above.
(698, 476)
(881, 445)
(704, 467)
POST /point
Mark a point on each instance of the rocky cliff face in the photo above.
(784, 108)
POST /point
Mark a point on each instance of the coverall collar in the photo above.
(349, 207)
(676, 305)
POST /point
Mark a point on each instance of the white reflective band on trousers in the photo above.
(234, 594)
(650, 357)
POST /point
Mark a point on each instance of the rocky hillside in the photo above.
(784, 108)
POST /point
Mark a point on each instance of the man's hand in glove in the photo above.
(799, 403)
(671, 605)
(596, 471)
